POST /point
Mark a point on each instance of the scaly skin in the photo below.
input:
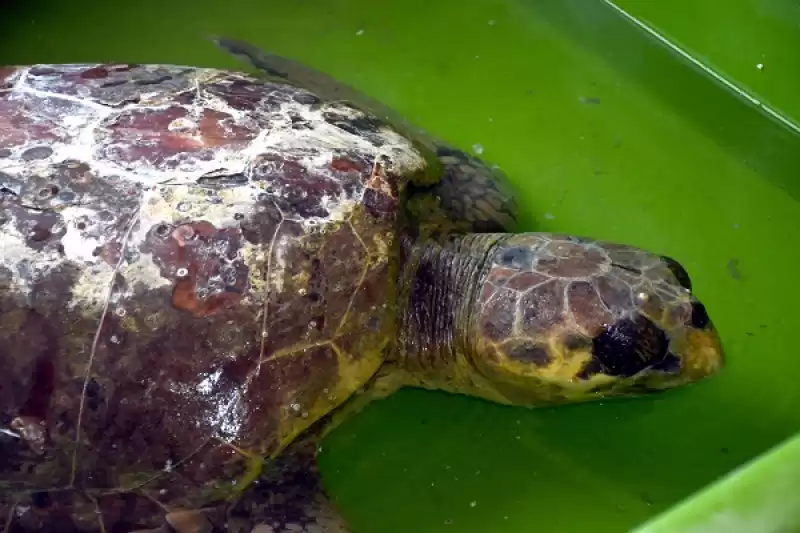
(538, 319)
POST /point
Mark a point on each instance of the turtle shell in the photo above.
(196, 265)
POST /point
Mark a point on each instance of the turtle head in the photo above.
(560, 319)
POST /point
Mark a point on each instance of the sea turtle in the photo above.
(203, 271)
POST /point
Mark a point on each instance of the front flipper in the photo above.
(472, 196)
(295, 73)
(288, 497)
(285, 495)
(383, 384)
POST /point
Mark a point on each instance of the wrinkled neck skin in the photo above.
(438, 285)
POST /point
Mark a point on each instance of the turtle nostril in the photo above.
(678, 271)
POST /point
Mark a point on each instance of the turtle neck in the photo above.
(437, 294)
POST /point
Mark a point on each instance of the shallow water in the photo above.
(607, 134)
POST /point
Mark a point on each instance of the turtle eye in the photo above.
(629, 346)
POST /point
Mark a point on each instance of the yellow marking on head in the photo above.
(702, 353)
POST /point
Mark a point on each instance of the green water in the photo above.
(735, 38)
(607, 134)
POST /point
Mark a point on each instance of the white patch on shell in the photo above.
(90, 290)
(226, 415)
(181, 124)
(81, 126)
(206, 384)
(172, 203)
(79, 245)
(144, 271)
(79, 123)
(224, 411)
(15, 256)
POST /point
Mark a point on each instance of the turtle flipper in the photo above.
(473, 195)
(255, 56)
(298, 74)
(288, 496)
(388, 380)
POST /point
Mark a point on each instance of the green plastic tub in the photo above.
(649, 123)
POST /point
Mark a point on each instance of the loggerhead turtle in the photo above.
(200, 269)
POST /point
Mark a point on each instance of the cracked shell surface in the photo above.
(196, 266)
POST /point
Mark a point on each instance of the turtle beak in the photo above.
(696, 356)
(702, 355)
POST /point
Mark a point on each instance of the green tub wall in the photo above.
(608, 133)
(760, 497)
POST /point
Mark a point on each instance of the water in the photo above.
(607, 134)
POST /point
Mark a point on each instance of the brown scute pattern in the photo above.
(381, 197)
(570, 260)
(27, 119)
(73, 182)
(373, 297)
(632, 259)
(39, 228)
(363, 126)
(499, 276)
(545, 298)
(204, 261)
(261, 229)
(530, 240)
(497, 318)
(616, 294)
(168, 138)
(171, 302)
(316, 293)
(526, 280)
(242, 95)
(111, 85)
(629, 276)
(298, 191)
(163, 405)
(588, 310)
(542, 307)
(300, 380)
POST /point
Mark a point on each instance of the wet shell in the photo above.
(195, 264)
